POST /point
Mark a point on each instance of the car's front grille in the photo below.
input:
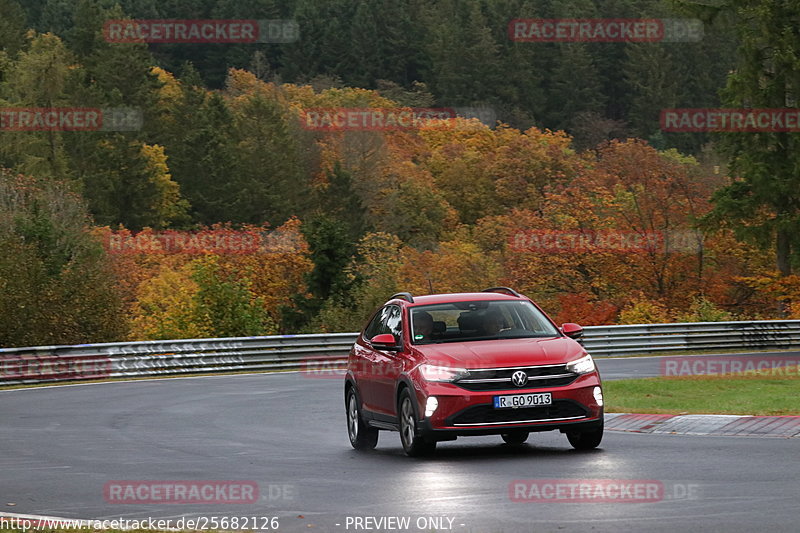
(491, 379)
(486, 414)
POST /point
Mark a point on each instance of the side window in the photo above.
(374, 327)
(387, 320)
(394, 321)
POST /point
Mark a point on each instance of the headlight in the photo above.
(584, 365)
(441, 373)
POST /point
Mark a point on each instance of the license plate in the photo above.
(522, 400)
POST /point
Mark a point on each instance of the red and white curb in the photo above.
(714, 425)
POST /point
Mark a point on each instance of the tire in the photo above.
(413, 445)
(585, 440)
(515, 438)
(362, 437)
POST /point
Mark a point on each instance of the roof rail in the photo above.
(503, 290)
(403, 296)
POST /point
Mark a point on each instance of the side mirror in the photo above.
(385, 341)
(573, 331)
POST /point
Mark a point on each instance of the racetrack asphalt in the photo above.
(62, 446)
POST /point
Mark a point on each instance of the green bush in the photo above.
(703, 310)
(56, 285)
(644, 312)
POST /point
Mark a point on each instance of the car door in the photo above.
(388, 364)
(367, 358)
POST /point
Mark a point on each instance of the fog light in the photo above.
(598, 396)
(431, 405)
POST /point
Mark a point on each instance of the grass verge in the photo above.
(768, 392)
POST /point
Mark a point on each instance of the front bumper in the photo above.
(462, 412)
(427, 431)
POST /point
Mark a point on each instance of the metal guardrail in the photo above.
(154, 358)
(691, 336)
(327, 351)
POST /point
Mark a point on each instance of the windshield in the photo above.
(479, 320)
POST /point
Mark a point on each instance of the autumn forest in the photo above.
(226, 212)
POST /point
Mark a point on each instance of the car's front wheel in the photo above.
(515, 437)
(585, 440)
(362, 437)
(413, 444)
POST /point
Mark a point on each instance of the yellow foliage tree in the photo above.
(455, 267)
(165, 307)
(167, 203)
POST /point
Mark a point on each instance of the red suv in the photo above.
(442, 366)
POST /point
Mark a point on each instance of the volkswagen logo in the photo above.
(519, 378)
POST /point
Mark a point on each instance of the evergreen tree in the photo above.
(41, 76)
(202, 155)
(763, 204)
(271, 185)
(575, 88)
(324, 44)
(127, 182)
(464, 57)
(655, 82)
(12, 27)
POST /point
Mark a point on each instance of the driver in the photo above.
(493, 323)
(423, 325)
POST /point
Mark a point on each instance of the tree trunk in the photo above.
(784, 266)
(783, 253)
